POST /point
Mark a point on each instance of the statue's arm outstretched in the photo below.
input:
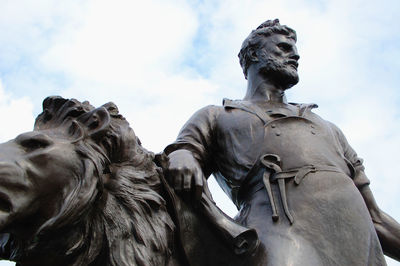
(386, 227)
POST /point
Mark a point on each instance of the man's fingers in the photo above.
(187, 179)
(189, 182)
(178, 181)
(198, 186)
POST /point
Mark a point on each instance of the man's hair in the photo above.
(254, 40)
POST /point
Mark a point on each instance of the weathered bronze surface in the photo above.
(292, 175)
(81, 190)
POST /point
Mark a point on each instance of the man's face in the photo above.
(277, 60)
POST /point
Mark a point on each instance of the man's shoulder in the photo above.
(305, 108)
(306, 111)
(208, 113)
(226, 104)
(210, 109)
(217, 112)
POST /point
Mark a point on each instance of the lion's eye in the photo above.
(33, 142)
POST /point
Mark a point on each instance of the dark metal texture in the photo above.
(81, 190)
(292, 174)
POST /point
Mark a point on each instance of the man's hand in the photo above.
(185, 175)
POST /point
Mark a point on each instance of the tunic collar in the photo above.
(266, 115)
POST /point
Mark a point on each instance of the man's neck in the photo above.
(261, 89)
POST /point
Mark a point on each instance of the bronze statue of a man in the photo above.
(292, 175)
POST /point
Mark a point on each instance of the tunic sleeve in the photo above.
(359, 177)
(197, 136)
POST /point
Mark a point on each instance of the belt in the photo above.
(274, 173)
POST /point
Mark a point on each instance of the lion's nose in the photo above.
(12, 176)
(9, 151)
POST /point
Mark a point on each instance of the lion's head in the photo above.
(81, 184)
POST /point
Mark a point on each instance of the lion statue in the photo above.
(81, 190)
(82, 185)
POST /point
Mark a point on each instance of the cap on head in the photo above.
(254, 40)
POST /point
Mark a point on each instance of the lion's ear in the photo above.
(96, 121)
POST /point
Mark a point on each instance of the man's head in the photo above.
(272, 48)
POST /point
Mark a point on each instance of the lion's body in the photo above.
(83, 192)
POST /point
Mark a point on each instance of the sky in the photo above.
(160, 61)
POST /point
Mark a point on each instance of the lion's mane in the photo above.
(114, 213)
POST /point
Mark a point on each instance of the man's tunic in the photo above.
(325, 220)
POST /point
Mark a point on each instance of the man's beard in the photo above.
(283, 75)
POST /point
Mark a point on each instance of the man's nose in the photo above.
(294, 54)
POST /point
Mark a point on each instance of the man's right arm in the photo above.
(190, 156)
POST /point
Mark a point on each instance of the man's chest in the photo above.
(244, 135)
(258, 123)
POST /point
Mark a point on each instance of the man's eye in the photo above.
(285, 47)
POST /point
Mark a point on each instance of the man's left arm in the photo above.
(386, 227)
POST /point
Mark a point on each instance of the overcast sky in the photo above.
(160, 61)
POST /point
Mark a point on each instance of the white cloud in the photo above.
(128, 52)
(123, 42)
(135, 53)
(16, 115)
